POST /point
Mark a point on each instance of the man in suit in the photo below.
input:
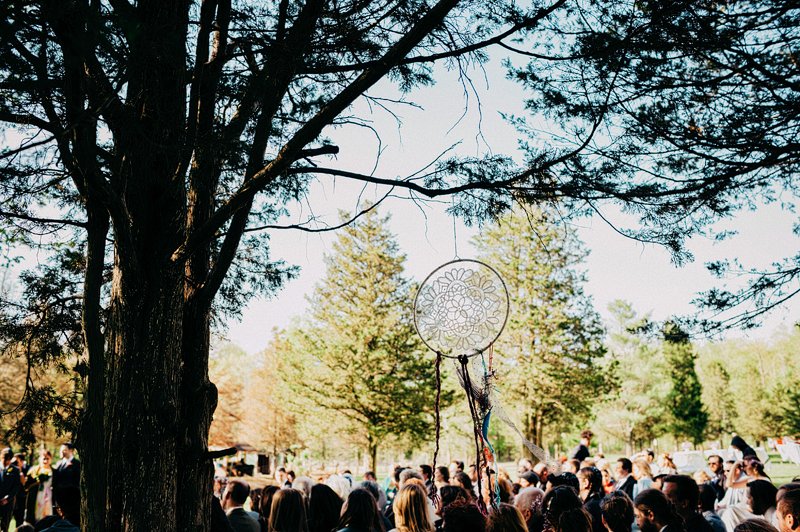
(233, 499)
(654, 513)
(625, 481)
(682, 490)
(10, 485)
(67, 472)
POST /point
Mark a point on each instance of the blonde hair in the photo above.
(644, 467)
(411, 509)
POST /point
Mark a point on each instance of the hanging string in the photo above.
(433, 494)
(476, 427)
(455, 234)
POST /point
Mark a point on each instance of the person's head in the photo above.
(529, 502)
(571, 466)
(787, 512)
(557, 501)
(666, 461)
(396, 473)
(280, 475)
(575, 520)
(650, 456)
(524, 465)
(370, 475)
(5, 456)
(68, 503)
(408, 474)
(541, 470)
(288, 512)
(45, 457)
(340, 485)
(738, 443)
(426, 471)
(411, 509)
(528, 478)
(462, 479)
(324, 508)
(617, 512)
(456, 466)
(785, 488)
(715, 464)
(505, 518)
(708, 497)
(623, 468)
(360, 512)
(265, 504)
(641, 469)
(682, 491)
(728, 466)
(761, 496)
(448, 495)
(463, 516)
(586, 437)
(754, 468)
(67, 450)
(442, 475)
(699, 476)
(19, 459)
(303, 484)
(590, 481)
(653, 511)
(755, 525)
(658, 481)
(472, 471)
(236, 492)
(564, 479)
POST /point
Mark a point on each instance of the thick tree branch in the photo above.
(311, 130)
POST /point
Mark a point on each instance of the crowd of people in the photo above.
(42, 497)
(585, 493)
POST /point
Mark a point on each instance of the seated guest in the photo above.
(529, 503)
(236, 493)
(505, 518)
(557, 501)
(708, 497)
(591, 493)
(324, 508)
(68, 509)
(575, 520)
(717, 468)
(787, 514)
(288, 512)
(761, 497)
(462, 516)
(625, 481)
(265, 505)
(528, 479)
(617, 512)
(411, 509)
(360, 513)
(541, 470)
(684, 494)
(563, 479)
(442, 477)
(462, 480)
(643, 475)
(655, 513)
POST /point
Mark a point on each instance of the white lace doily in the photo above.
(461, 308)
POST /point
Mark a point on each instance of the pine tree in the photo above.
(549, 357)
(688, 416)
(357, 355)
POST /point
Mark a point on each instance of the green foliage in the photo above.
(635, 413)
(687, 414)
(357, 355)
(550, 356)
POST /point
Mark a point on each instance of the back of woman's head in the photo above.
(762, 495)
(463, 479)
(360, 512)
(288, 512)
(617, 510)
(265, 504)
(575, 520)
(324, 508)
(557, 501)
(755, 466)
(411, 509)
(450, 494)
(505, 518)
(463, 516)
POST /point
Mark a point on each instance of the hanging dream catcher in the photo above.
(460, 310)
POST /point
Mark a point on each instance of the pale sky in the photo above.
(618, 268)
